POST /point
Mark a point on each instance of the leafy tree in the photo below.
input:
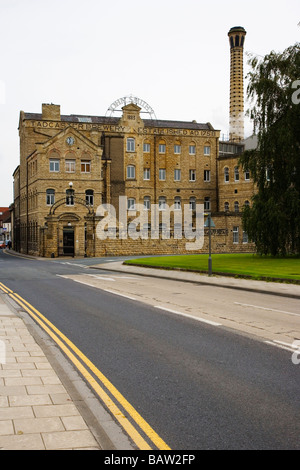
(273, 219)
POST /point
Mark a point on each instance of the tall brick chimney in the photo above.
(236, 115)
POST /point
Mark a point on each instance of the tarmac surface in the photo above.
(44, 403)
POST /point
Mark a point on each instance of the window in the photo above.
(50, 197)
(146, 148)
(245, 237)
(177, 203)
(130, 172)
(70, 166)
(85, 166)
(146, 173)
(130, 144)
(162, 148)
(207, 203)
(131, 204)
(192, 175)
(192, 203)
(162, 203)
(162, 174)
(192, 149)
(247, 175)
(236, 206)
(54, 165)
(147, 203)
(70, 197)
(226, 206)
(177, 149)
(236, 174)
(226, 175)
(207, 150)
(247, 204)
(235, 232)
(206, 175)
(177, 175)
(89, 197)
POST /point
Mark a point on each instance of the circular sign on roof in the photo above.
(117, 106)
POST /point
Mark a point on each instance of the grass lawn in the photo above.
(243, 265)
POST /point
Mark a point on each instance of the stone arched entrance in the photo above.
(69, 233)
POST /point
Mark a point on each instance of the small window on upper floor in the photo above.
(192, 149)
(146, 147)
(236, 174)
(85, 166)
(89, 197)
(54, 165)
(130, 172)
(177, 149)
(70, 166)
(226, 175)
(50, 197)
(130, 144)
(162, 148)
(177, 174)
(207, 150)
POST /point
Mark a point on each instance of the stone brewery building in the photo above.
(70, 165)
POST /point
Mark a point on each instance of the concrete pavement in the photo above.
(44, 403)
(275, 288)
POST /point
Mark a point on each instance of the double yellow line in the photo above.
(83, 365)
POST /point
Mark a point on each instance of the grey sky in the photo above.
(84, 55)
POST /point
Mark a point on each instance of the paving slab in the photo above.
(37, 411)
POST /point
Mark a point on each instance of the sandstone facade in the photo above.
(72, 165)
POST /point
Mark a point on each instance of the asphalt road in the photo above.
(198, 386)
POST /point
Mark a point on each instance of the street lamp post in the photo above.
(209, 223)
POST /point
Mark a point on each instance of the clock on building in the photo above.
(70, 140)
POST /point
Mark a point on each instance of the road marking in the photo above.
(189, 316)
(97, 287)
(5, 289)
(266, 308)
(118, 293)
(102, 278)
(120, 399)
(282, 345)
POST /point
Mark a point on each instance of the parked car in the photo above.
(2, 245)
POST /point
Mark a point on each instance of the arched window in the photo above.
(236, 206)
(177, 203)
(226, 206)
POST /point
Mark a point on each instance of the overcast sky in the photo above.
(85, 54)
